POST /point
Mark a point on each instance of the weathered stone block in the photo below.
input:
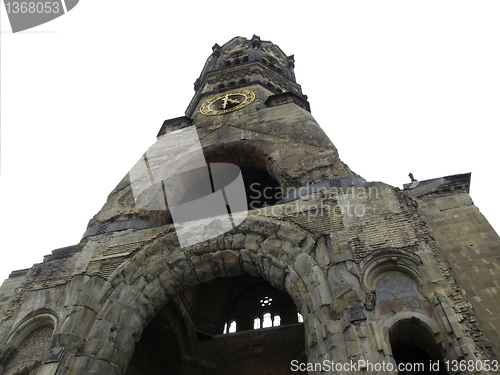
(341, 280)
(78, 282)
(292, 234)
(231, 262)
(272, 245)
(168, 280)
(123, 294)
(155, 293)
(106, 352)
(238, 241)
(99, 366)
(101, 330)
(78, 321)
(252, 242)
(92, 346)
(307, 244)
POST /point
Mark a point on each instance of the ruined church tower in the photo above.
(240, 243)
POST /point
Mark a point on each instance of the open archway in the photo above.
(133, 296)
(262, 186)
(187, 336)
(414, 348)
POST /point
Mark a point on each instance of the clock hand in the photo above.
(225, 101)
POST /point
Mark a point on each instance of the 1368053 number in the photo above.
(32, 7)
(471, 365)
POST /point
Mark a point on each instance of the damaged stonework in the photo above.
(344, 270)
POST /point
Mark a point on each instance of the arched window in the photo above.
(413, 347)
(30, 342)
(256, 323)
(238, 304)
(276, 321)
(261, 188)
(267, 321)
(227, 316)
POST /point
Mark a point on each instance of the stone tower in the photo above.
(241, 243)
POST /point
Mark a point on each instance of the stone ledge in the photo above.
(19, 273)
(174, 124)
(286, 98)
(456, 183)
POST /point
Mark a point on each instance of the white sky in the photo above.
(399, 87)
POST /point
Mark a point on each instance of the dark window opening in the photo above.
(234, 304)
(186, 335)
(261, 189)
(415, 350)
(161, 346)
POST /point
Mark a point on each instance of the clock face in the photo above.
(227, 102)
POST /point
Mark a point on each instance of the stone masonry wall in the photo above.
(470, 248)
(317, 249)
